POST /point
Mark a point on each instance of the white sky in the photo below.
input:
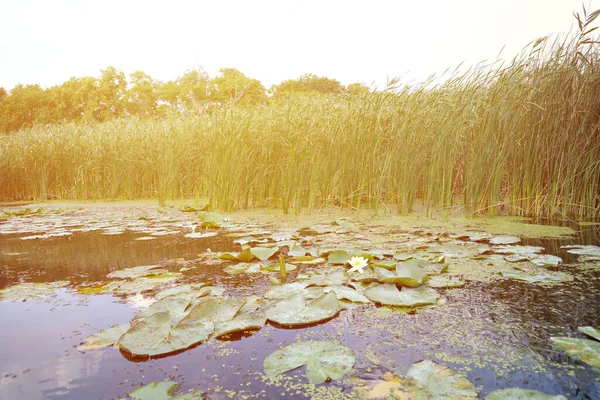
(368, 41)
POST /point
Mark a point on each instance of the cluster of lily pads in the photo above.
(342, 277)
(584, 350)
(329, 359)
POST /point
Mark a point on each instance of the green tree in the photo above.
(233, 87)
(357, 89)
(22, 107)
(308, 84)
(142, 96)
(194, 87)
(112, 91)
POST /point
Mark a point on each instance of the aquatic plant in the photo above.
(519, 138)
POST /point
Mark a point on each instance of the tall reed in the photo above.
(522, 138)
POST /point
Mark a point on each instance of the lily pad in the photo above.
(307, 260)
(137, 272)
(368, 275)
(388, 294)
(236, 268)
(542, 260)
(276, 267)
(391, 265)
(104, 338)
(521, 394)
(263, 254)
(175, 306)
(141, 284)
(344, 292)
(442, 382)
(285, 290)
(30, 291)
(200, 235)
(155, 391)
(211, 219)
(149, 337)
(338, 257)
(534, 275)
(324, 359)
(298, 310)
(184, 291)
(504, 239)
(445, 281)
(590, 331)
(330, 279)
(588, 250)
(298, 251)
(479, 236)
(240, 323)
(584, 350)
(521, 250)
(410, 275)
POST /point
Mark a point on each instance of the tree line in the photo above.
(112, 95)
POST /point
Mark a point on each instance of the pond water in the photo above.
(494, 330)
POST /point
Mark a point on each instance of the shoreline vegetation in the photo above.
(521, 138)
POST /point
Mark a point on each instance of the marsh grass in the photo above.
(522, 138)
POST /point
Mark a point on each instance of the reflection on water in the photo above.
(90, 255)
(495, 332)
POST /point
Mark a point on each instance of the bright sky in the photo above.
(48, 42)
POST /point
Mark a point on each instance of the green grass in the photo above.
(522, 137)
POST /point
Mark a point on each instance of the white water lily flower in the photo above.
(357, 263)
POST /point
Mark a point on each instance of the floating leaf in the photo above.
(590, 331)
(141, 284)
(285, 290)
(584, 350)
(368, 275)
(521, 394)
(236, 269)
(453, 250)
(344, 292)
(240, 323)
(543, 260)
(297, 310)
(478, 236)
(137, 272)
(175, 306)
(245, 255)
(184, 291)
(391, 265)
(587, 250)
(338, 257)
(263, 254)
(307, 260)
(211, 219)
(200, 235)
(298, 251)
(149, 336)
(323, 359)
(504, 239)
(536, 275)
(387, 293)
(441, 382)
(30, 291)
(330, 279)
(521, 250)
(410, 275)
(403, 256)
(445, 281)
(155, 391)
(104, 338)
(276, 267)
